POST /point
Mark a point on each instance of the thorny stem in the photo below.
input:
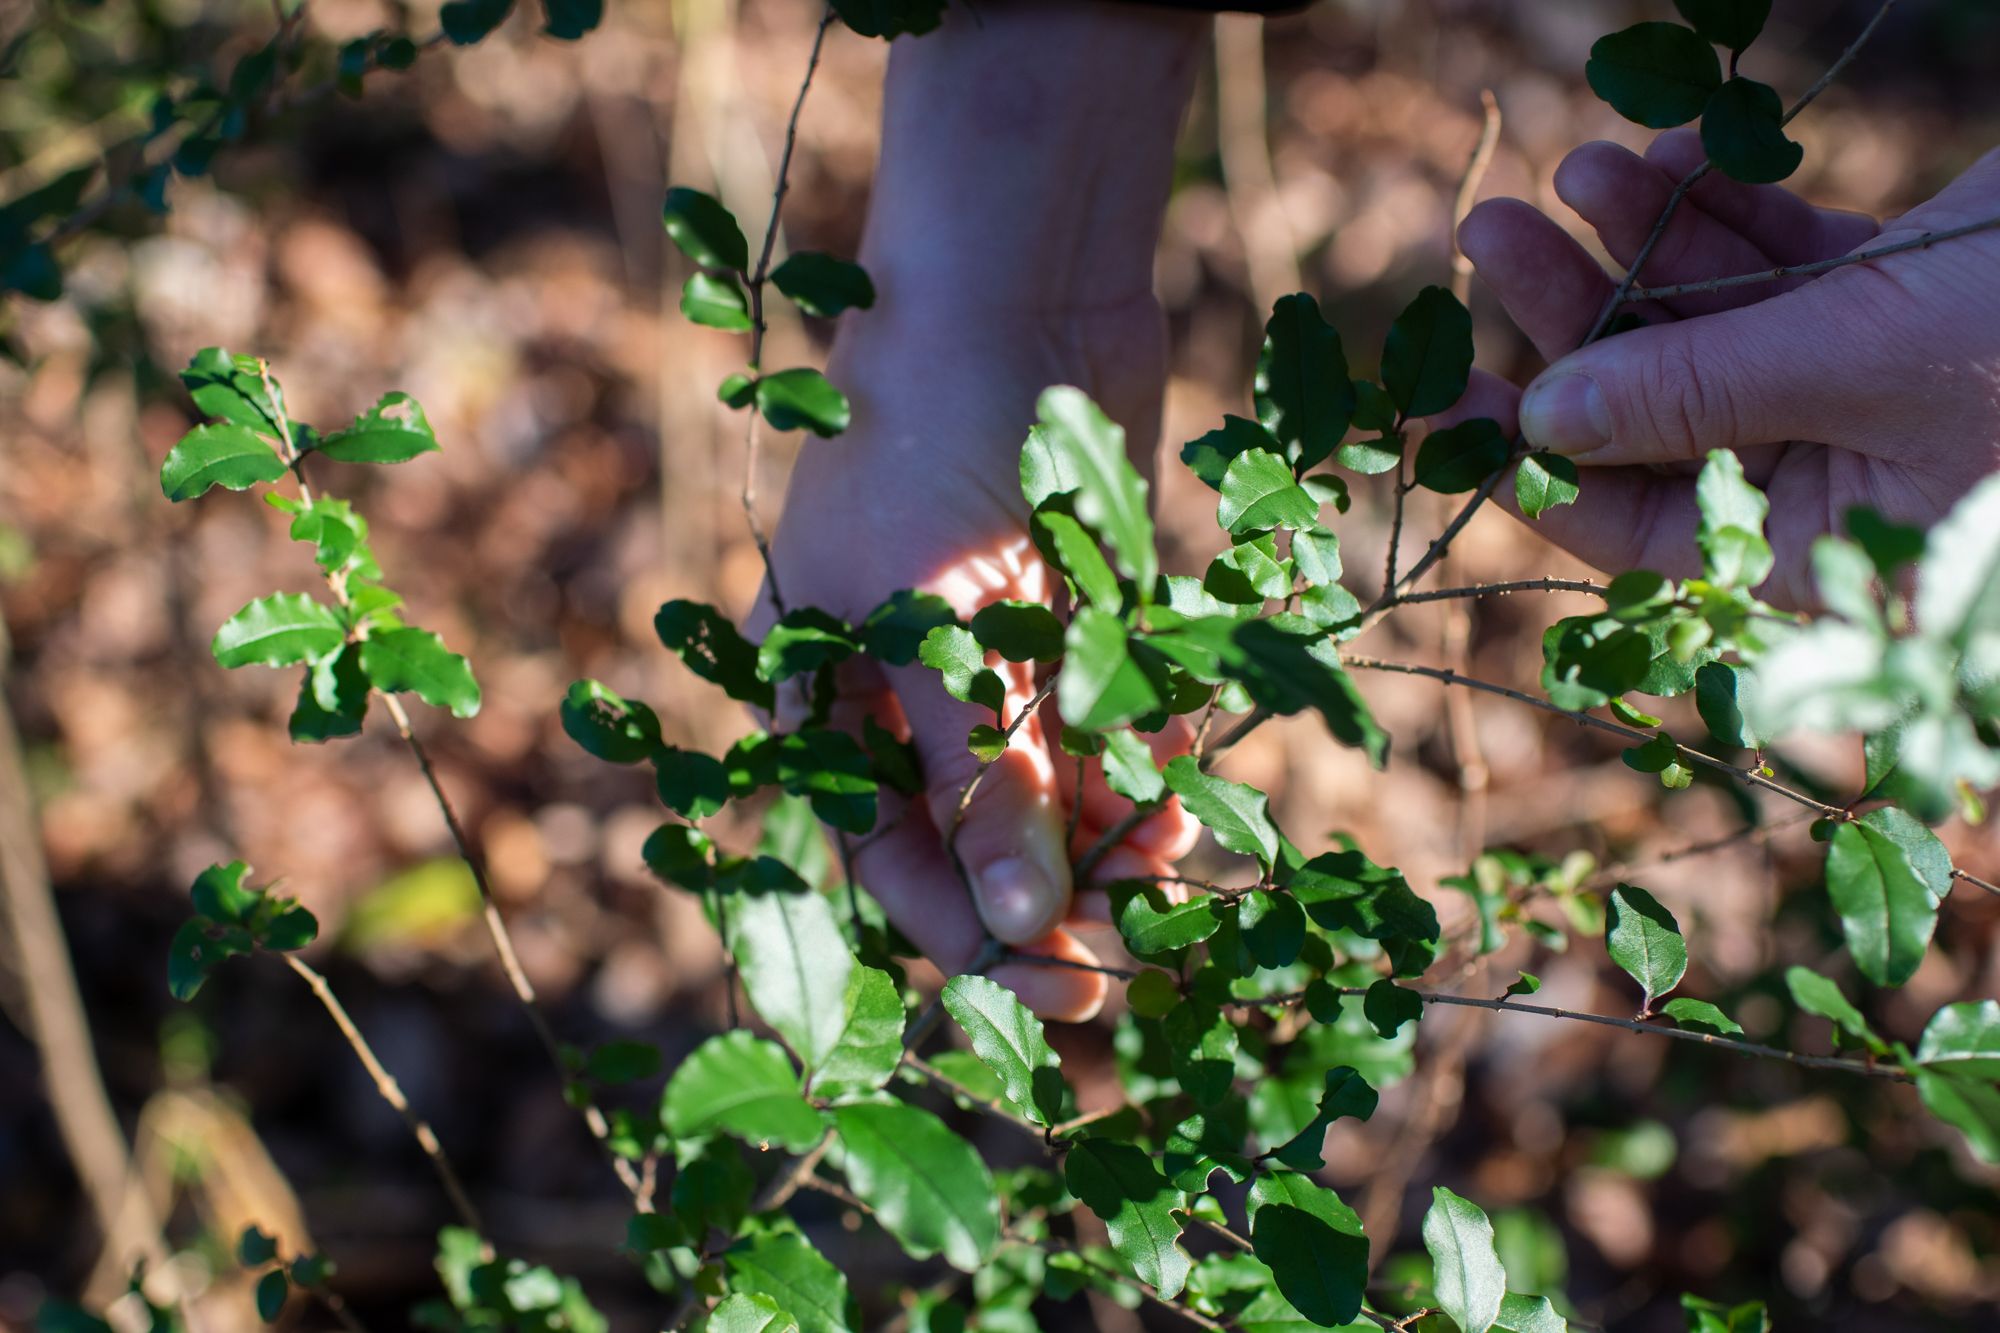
(390, 1092)
(1922, 242)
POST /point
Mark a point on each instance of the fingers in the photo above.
(1066, 994)
(1551, 286)
(1779, 223)
(1814, 363)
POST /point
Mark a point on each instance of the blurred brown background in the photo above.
(483, 232)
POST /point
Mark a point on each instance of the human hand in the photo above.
(1875, 384)
(1026, 162)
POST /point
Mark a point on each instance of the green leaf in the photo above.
(679, 855)
(1701, 1016)
(795, 965)
(1529, 1314)
(1958, 582)
(571, 19)
(986, 743)
(1743, 132)
(801, 399)
(468, 21)
(953, 652)
(1347, 1094)
(1657, 74)
(1388, 1006)
(1970, 1106)
(895, 630)
(1303, 396)
(822, 285)
(716, 301)
(1645, 940)
(1237, 814)
(1152, 924)
(1120, 1184)
(712, 647)
(890, 18)
(1258, 494)
(1544, 481)
(1316, 553)
(1459, 458)
(1963, 1039)
(1427, 360)
(623, 1061)
(1313, 1243)
(1209, 456)
(233, 388)
(1019, 631)
(704, 230)
(691, 784)
(1129, 769)
(395, 430)
(1075, 552)
(870, 1046)
(220, 894)
(226, 455)
(1883, 874)
(416, 661)
(1731, 23)
(928, 1186)
(280, 630)
(1528, 983)
(1718, 687)
(1818, 995)
(253, 1247)
(1731, 536)
(744, 1312)
(1202, 1045)
(1249, 573)
(783, 1266)
(1008, 1039)
(607, 725)
(804, 639)
(1273, 926)
(272, 1292)
(1101, 686)
(741, 1085)
(1110, 493)
(1470, 1283)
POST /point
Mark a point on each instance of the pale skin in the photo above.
(1027, 160)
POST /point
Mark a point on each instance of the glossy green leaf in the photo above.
(802, 399)
(1971, 1106)
(804, 639)
(795, 964)
(1076, 553)
(822, 285)
(226, 455)
(1120, 1184)
(1209, 456)
(233, 388)
(1273, 926)
(713, 648)
(272, 1292)
(1008, 1039)
(1316, 553)
(1718, 688)
(895, 630)
(1469, 1281)
(1458, 458)
(1657, 74)
(691, 784)
(742, 1085)
(1129, 769)
(1731, 23)
(1110, 493)
(1701, 1016)
(890, 18)
(1238, 815)
(1963, 1039)
(1201, 1043)
(1819, 995)
(1544, 481)
(1958, 582)
(1529, 1314)
(395, 430)
(1346, 1094)
(1313, 1244)
(1743, 132)
(1019, 631)
(417, 662)
(1153, 924)
(568, 20)
(1101, 686)
(745, 1312)
(956, 655)
(928, 1186)
(1886, 874)
(1388, 1006)
(1731, 534)
(716, 301)
(1427, 360)
(784, 1266)
(608, 725)
(1258, 494)
(704, 230)
(468, 21)
(1644, 939)
(870, 1045)
(1303, 395)
(280, 630)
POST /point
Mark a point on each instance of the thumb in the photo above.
(1009, 835)
(1805, 365)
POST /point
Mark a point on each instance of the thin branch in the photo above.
(1975, 881)
(965, 793)
(1219, 1229)
(390, 1092)
(1746, 775)
(1924, 241)
(991, 1106)
(1071, 964)
(1396, 514)
(1501, 590)
(1468, 191)
(1839, 66)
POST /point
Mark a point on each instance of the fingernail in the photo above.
(1016, 898)
(1567, 415)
